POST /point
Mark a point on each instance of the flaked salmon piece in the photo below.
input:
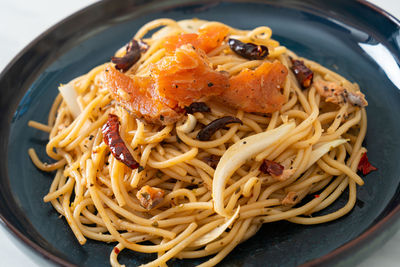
(337, 94)
(173, 42)
(137, 95)
(187, 76)
(257, 90)
(150, 197)
(212, 36)
(209, 38)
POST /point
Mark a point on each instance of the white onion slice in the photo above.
(69, 94)
(216, 232)
(237, 154)
(189, 124)
(323, 149)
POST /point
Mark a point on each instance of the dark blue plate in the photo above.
(358, 40)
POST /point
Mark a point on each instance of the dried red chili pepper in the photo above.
(271, 167)
(303, 74)
(197, 107)
(114, 141)
(131, 56)
(248, 50)
(365, 166)
(116, 250)
(206, 133)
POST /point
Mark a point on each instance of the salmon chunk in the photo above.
(187, 76)
(209, 38)
(257, 90)
(173, 42)
(149, 197)
(337, 94)
(137, 95)
(212, 36)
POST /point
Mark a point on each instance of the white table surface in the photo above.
(22, 20)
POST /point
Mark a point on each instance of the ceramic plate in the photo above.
(355, 39)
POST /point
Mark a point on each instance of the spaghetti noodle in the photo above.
(187, 192)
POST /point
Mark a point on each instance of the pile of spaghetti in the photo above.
(191, 139)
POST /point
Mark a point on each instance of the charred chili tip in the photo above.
(131, 57)
(197, 107)
(115, 143)
(303, 74)
(248, 50)
(206, 133)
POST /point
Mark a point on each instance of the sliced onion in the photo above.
(237, 154)
(216, 232)
(189, 124)
(323, 149)
(69, 94)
